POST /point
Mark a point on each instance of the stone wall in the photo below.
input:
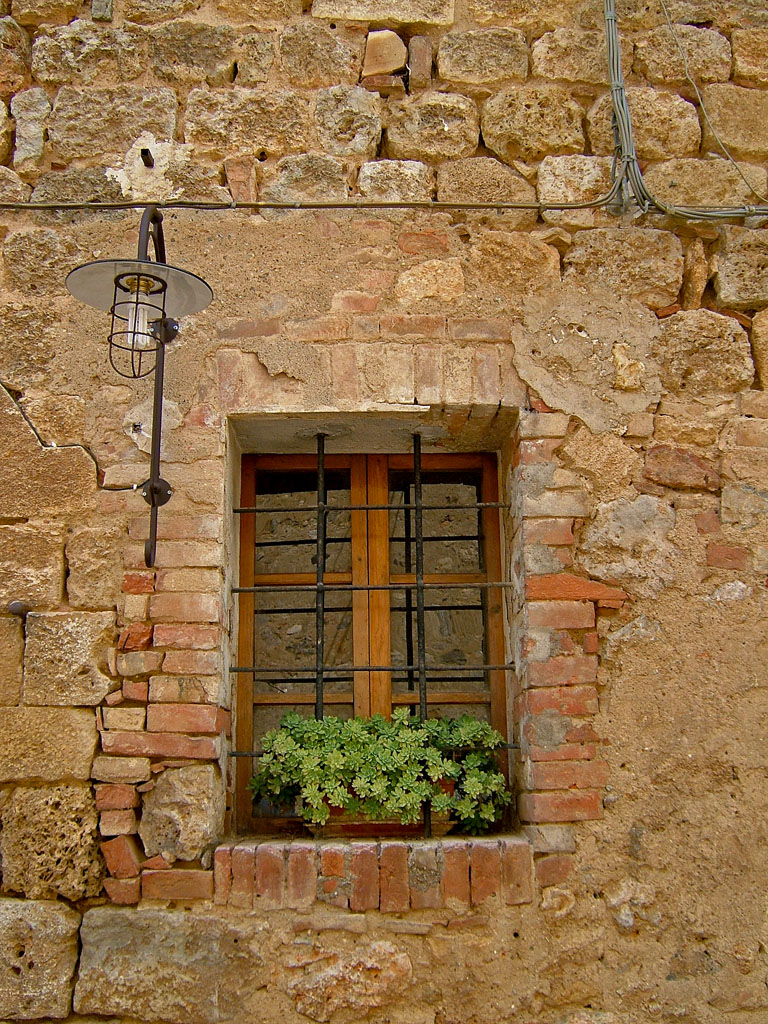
(615, 359)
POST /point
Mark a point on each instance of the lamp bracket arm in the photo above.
(152, 227)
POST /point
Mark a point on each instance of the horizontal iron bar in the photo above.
(348, 608)
(311, 587)
(242, 510)
(260, 753)
(372, 668)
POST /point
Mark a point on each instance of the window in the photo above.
(366, 582)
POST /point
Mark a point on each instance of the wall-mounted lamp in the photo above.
(145, 298)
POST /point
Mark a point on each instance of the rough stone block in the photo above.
(573, 179)
(37, 12)
(150, 12)
(760, 347)
(15, 53)
(312, 55)
(750, 56)
(184, 814)
(483, 56)
(703, 353)
(576, 55)
(65, 658)
(403, 12)
(483, 179)
(664, 124)
(46, 743)
(425, 875)
(385, 52)
(741, 278)
(106, 122)
(11, 653)
(255, 54)
(740, 118)
(530, 121)
(30, 110)
(259, 11)
(246, 120)
(169, 965)
(49, 843)
(191, 53)
(310, 176)
(6, 132)
(433, 126)
(12, 188)
(631, 262)
(396, 181)
(688, 182)
(81, 53)
(348, 120)
(101, 10)
(708, 54)
(433, 279)
(121, 769)
(40, 948)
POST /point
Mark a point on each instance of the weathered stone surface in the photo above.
(312, 55)
(535, 15)
(510, 264)
(46, 743)
(12, 188)
(49, 843)
(385, 52)
(434, 126)
(572, 349)
(703, 353)
(633, 262)
(680, 468)
(39, 259)
(396, 180)
(348, 120)
(82, 53)
(306, 177)
(11, 654)
(433, 279)
(573, 179)
(175, 174)
(760, 347)
(101, 10)
(95, 574)
(15, 53)
(258, 11)
(184, 814)
(359, 981)
(402, 12)
(606, 462)
(255, 53)
(121, 769)
(37, 12)
(107, 121)
(743, 505)
(6, 132)
(244, 120)
(688, 182)
(88, 184)
(664, 124)
(170, 966)
(530, 121)
(40, 948)
(696, 273)
(191, 53)
(575, 55)
(30, 111)
(31, 566)
(65, 658)
(628, 541)
(740, 118)
(149, 12)
(750, 56)
(658, 58)
(483, 56)
(741, 268)
(482, 179)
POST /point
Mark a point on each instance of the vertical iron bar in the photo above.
(408, 594)
(320, 587)
(152, 486)
(420, 634)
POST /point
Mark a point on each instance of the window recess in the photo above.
(367, 582)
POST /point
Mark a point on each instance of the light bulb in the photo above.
(139, 310)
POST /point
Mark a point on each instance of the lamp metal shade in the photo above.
(94, 284)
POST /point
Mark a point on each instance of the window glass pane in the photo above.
(451, 535)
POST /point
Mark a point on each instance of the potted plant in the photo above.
(371, 772)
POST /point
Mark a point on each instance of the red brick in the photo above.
(589, 643)
(484, 869)
(707, 522)
(181, 690)
(561, 614)
(332, 860)
(424, 876)
(138, 582)
(158, 863)
(187, 718)
(563, 671)
(259, 328)
(677, 467)
(533, 452)
(393, 874)
(364, 876)
(582, 733)
(546, 531)
(456, 871)
(176, 607)
(563, 752)
(419, 62)
(727, 556)
(355, 302)
(114, 698)
(516, 871)
(135, 689)
(222, 874)
(123, 891)
(334, 886)
(186, 635)
(269, 877)
(117, 823)
(177, 884)
(243, 865)
(418, 325)
(567, 700)
(301, 875)
(122, 856)
(191, 663)
(384, 85)
(664, 311)
(563, 586)
(136, 637)
(418, 242)
(539, 406)
(574, 805)
(115, 797)
(323, 328)
(553, 868)
(474, 329)
(570, 775)
(160, 744)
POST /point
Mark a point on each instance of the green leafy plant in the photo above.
(384, 770)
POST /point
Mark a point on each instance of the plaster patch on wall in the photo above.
(137, 422)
